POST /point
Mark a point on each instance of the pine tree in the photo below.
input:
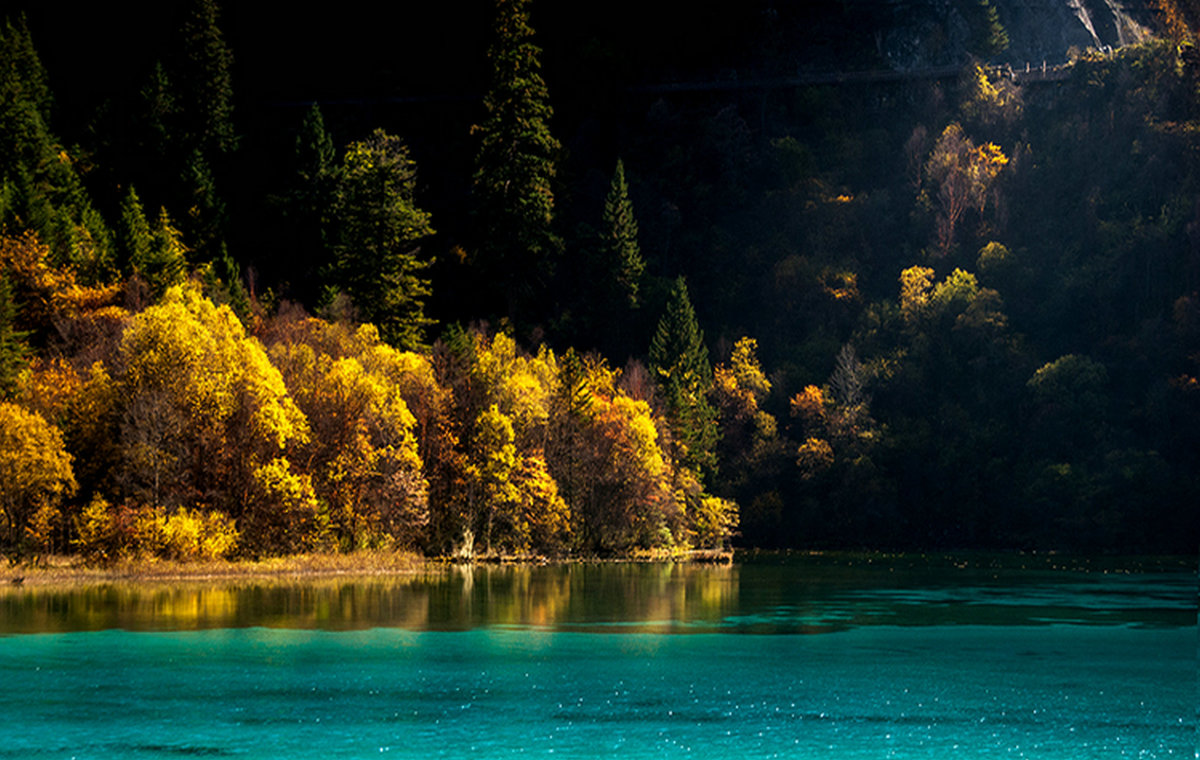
(40, 185)
(166, 258)
(308, 202)
(134, 233)
(206, 215)
(515, 163)
(620, 247)
(160, 111)
(208, 81)
(13, 350)
(375, 226)
(679, 361)
(314, 148)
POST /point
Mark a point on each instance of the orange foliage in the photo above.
(810, 406)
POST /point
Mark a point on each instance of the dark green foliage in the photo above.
(206, 218)
(134, 233)
(165, 262)
(13, 350)
(620, 248)
(207, 81)
(306, 205)
(679, 361)
(40, 183)
(988, 36)
(374, 228)
(160, 112)
(515, 164)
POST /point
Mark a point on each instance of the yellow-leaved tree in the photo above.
(35, 476)
(362, 455)
(204, 419)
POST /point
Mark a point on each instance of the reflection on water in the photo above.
(760, 594)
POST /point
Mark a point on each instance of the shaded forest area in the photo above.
(431, 278)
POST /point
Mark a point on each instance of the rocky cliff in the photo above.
(926, 33)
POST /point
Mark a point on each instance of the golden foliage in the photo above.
(813, 457)
(35, 469)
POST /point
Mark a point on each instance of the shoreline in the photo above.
(69, 570)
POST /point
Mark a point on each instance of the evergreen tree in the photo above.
(620, 247)
(208, 81)
(40, 185)
(166, 257)
(206, 216)
(307, 203)
(375, 225)
(13, 350)
(515, 163)
(160, 110)
(314, 148)
(679, 361)
(134, 233)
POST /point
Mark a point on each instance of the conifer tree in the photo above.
(206, 215)
(516, 162)
(679, 361)
(40, 185)
(208, 80)
(159, 110)
(308, 201)
(620, 247)
(314, 148)
(13, 350)
(166, 257)
(375, 226)
(134, 233)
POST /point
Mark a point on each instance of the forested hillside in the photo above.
(512, 279)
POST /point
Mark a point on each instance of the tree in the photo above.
(201, 410)
(620, 249)
(208, 81)
(134, 233)
(679, 361)
(515, 163)
(362, 454)
(307, 202)
(165, 258)
(376, 224)
(13, 350)
(961, 175)
(35, 470)
(41, 187)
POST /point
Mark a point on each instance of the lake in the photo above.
(830, 656)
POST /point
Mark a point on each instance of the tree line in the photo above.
(972, 332)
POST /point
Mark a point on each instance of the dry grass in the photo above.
(60, 571)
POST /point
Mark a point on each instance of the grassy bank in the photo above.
(66, 570)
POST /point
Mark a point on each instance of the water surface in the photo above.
(838, 656)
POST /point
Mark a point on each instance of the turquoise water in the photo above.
(797, 658)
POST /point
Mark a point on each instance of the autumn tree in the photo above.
(959, 177)
(749, 450)
(515, 163)
(203, 416)
(376, 225)
(35, 472)
(362, 454)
